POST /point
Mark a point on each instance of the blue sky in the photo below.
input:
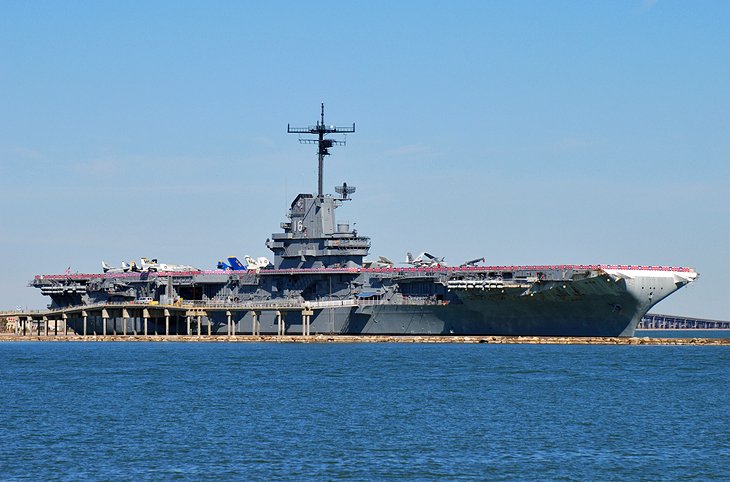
(524, 132)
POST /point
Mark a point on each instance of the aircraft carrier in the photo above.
(320, 282)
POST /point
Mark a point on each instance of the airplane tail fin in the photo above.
(125, 266)
(236, 264)
(105, 267)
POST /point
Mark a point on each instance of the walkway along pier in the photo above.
(135, 319)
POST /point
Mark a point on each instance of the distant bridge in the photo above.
(655, 321)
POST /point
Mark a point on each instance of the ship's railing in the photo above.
(331, 303)
(398, 270)
(11, 313)
(263, 304)
(274, 304)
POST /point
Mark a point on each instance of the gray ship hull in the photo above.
(608, 301)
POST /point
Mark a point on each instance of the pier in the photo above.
(135, 319)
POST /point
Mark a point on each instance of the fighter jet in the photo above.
(424, 260)
(151, 265)
(112, 270)
(472, 262)
(233, 264)
(382, 262)
(258, 263)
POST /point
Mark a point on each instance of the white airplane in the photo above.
(110, 269)
(424, 260)
(382, 262)
(258, 263)
(152, 265)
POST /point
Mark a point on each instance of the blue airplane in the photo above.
(233, 264)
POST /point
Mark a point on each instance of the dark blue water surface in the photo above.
(194, 411)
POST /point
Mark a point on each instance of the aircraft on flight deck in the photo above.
(259, 263)
(472, 262)
(382, 262)
(233, 264)
(424, 260)
(151, 265)
(112, 270)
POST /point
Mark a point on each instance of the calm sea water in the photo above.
(177, 411)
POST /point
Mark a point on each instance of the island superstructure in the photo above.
(320, 283)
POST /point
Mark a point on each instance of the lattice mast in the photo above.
(323, 145)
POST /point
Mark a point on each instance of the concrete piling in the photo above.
(280, 324)
(145, 315)
(255, 324)
(104, 320)
(306, 320)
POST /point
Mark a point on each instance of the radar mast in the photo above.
(323, 145)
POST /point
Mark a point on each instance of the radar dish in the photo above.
(345, 190)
